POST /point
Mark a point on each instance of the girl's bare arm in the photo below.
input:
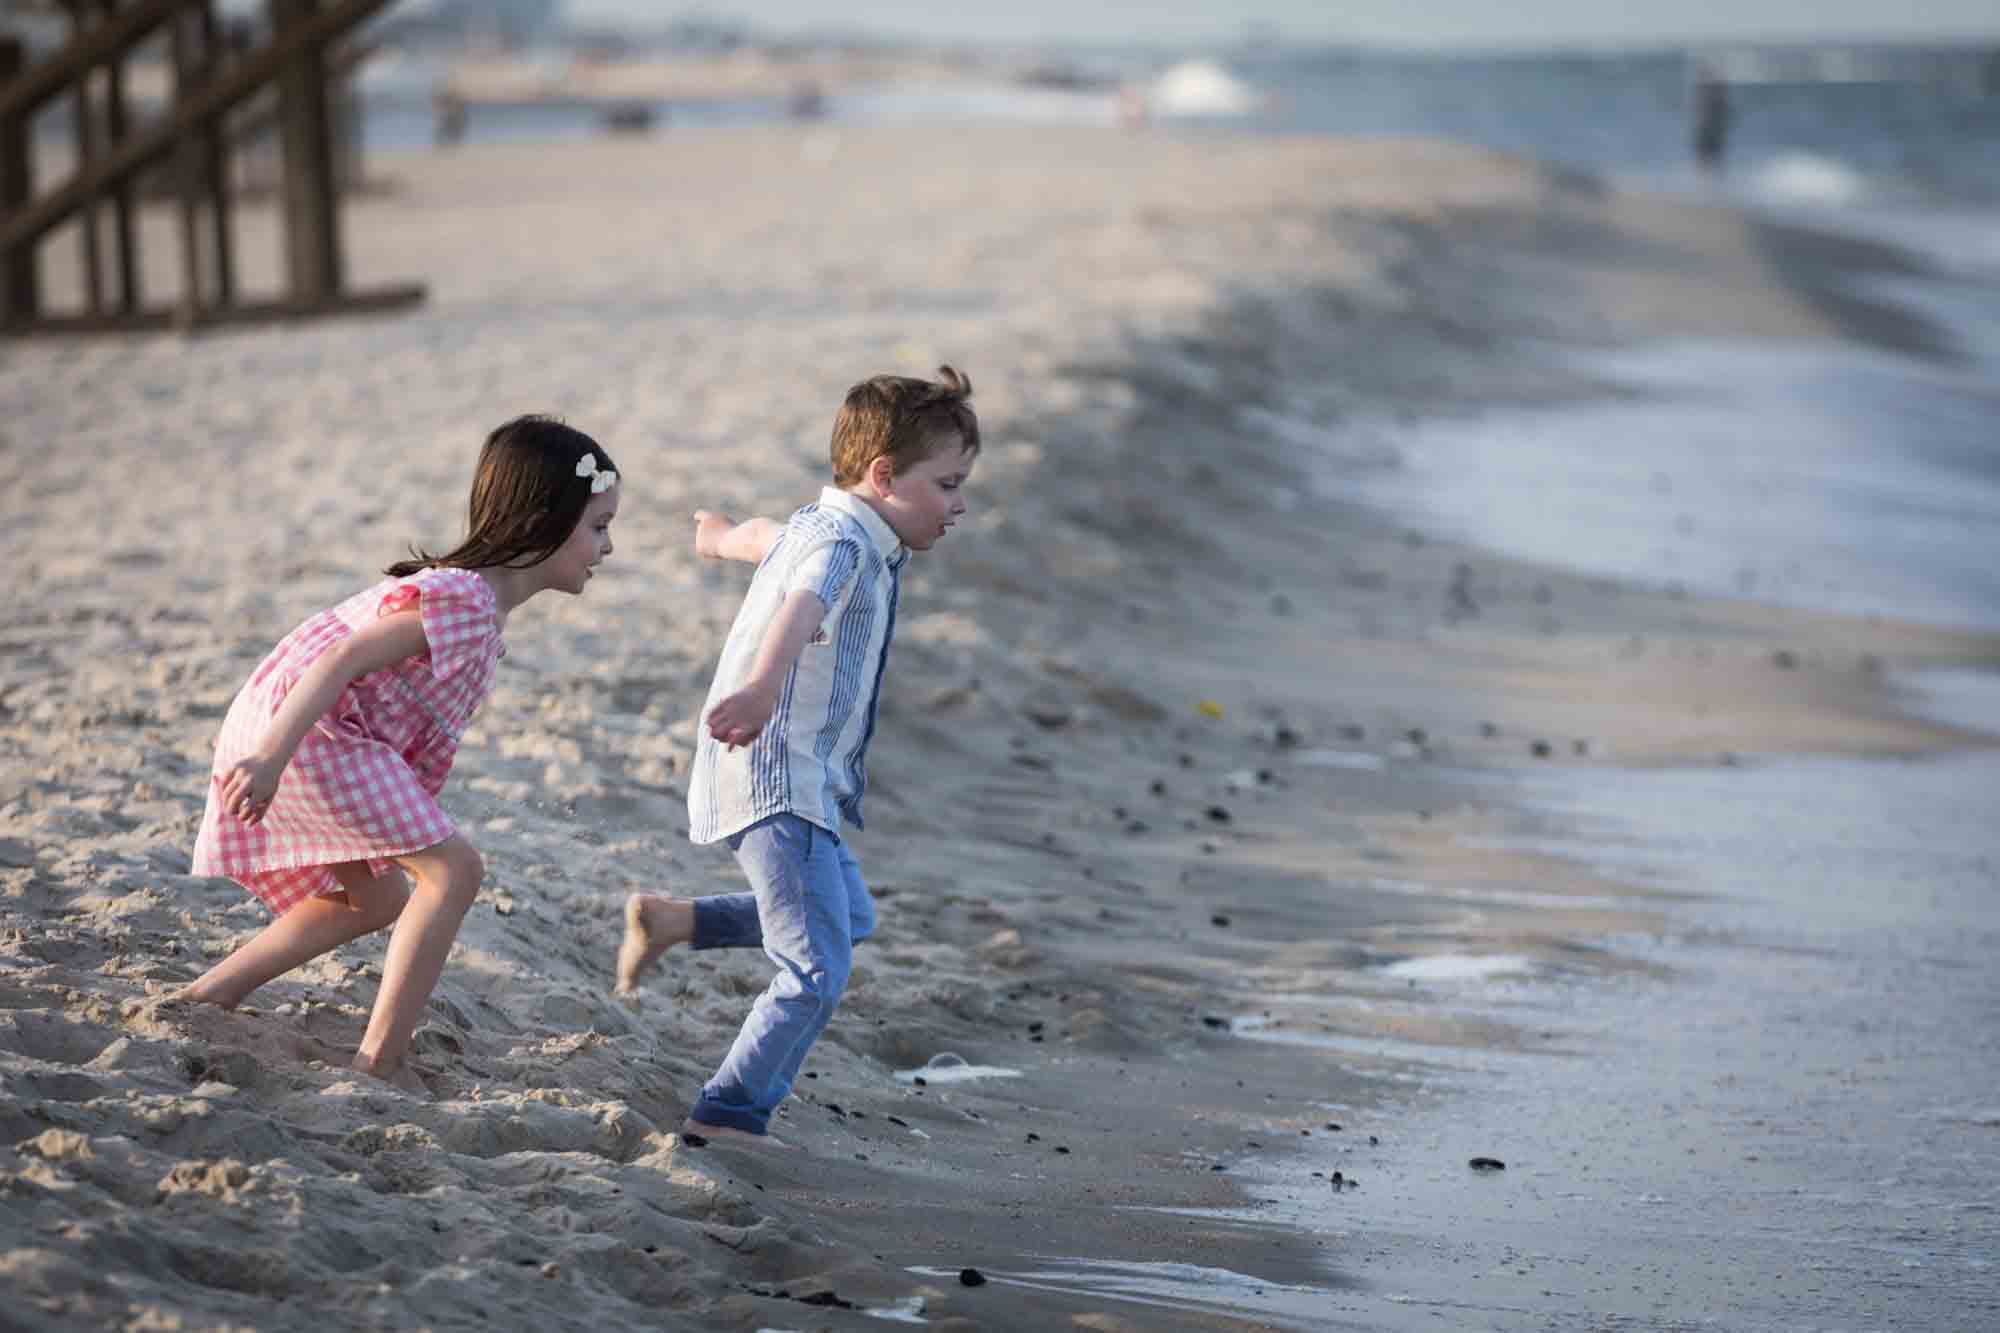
(248, 786)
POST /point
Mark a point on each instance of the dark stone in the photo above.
(971, 1277)
(1487, 1164)
(1218, 813)
(826, 1298)
(694, 1140)
(1785, 660)
(1219, 919)
(1333, 1125)
(1541, 749)
(1215, 1021)
(1062, 1150)
(1159, 787)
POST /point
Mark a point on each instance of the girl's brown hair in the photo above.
(902, 419)
(526, 498)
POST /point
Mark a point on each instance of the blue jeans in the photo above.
(807, 911)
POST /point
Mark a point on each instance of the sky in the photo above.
(1422, 23)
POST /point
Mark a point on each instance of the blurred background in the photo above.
(1842, 102)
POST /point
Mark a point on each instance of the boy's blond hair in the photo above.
(902, 419)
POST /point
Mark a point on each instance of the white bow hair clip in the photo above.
(600, 482)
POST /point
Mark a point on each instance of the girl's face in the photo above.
(589, 542)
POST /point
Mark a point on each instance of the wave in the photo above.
(1809, 178)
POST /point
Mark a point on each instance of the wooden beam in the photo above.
(124, 229)
(158, 319)
(311, 202)
(187, 164)
(20, 295)
(159, 139)
(121, 30)
(215, 144)
(86, 149)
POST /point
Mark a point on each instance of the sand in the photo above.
(1164, 736)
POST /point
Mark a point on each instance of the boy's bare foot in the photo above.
(653, 925)
(399, 1075)
(727, 1134)
(708, 532)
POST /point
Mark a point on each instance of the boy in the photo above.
(780, 756)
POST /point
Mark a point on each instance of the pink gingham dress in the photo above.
(363, 784)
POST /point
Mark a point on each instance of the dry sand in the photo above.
(1078, 864)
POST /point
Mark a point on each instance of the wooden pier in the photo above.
(191, 142)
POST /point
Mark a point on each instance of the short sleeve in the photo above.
(457, 609)
(825, 570)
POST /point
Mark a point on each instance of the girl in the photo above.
(331, 758)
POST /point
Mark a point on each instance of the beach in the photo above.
(1176, 724)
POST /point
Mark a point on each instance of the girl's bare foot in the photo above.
(653, 925)
(727, 1134)
(399, 1075)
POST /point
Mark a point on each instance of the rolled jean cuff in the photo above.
(723, 922)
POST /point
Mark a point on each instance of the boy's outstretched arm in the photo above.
(737, 718)
(718, 537)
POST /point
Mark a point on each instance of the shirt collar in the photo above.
(878, 529)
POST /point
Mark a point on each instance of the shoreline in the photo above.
(1131, 564)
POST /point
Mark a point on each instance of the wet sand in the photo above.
(1167, 731)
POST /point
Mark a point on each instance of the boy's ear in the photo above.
(882, 474)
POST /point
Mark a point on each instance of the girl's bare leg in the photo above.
(311, 928)
(653, 925)
(447, 879)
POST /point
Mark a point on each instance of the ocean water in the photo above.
(1846, 125)
(1792, 1122)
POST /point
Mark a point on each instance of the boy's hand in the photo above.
(709, 530)
(249, 785)
(737, 719)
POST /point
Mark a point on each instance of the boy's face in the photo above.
(928, 497)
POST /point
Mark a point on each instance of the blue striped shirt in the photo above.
(810, 758)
